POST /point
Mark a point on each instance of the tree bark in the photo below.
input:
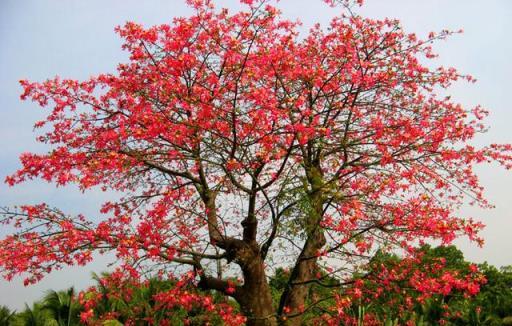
(255, 297)
(295, 295)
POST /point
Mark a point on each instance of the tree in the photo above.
(62, 306)
(6, 315)
(155, 301)
(241, 146)
(452, 283)
(493, 305)
(35, 316)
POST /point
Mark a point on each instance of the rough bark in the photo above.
(254, 296)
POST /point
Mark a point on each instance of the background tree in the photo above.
(63, 306)
(240, 146)
(34, 316)
(128, 301)
(6, 315)
(450, 282)
(491, 305)
(116, 300)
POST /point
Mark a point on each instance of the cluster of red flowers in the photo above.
(180, 295)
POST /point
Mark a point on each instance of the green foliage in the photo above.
(6, 315)
(492, 306)
(34, 316)
(141, 306)
(55, 309)
(112, 322)
(507, 321)
(62, 306)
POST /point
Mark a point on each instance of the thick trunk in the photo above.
(255, 297)
(256, 304)
(295, 296)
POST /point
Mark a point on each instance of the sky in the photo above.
(75, 39)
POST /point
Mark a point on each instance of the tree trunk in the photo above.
(294, 298)
(255, 297)
(296, 294)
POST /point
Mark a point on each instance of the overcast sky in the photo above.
(75, 39)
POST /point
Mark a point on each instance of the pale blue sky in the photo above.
(75, 39)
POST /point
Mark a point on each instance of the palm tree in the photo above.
(35, 316)
(6, 315)
(62, 306)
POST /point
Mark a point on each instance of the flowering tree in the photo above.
(241, 146)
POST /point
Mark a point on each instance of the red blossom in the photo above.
(228, 135)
